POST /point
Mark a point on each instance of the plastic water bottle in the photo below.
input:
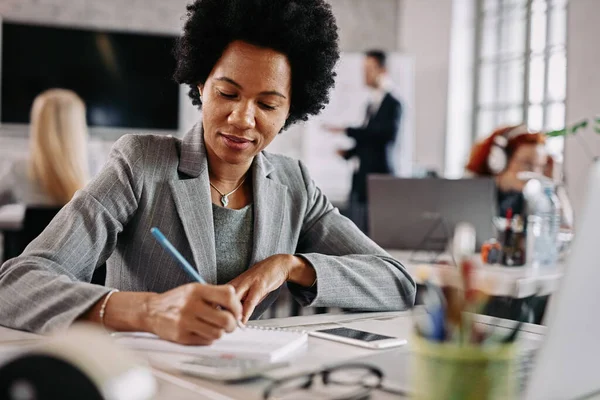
(553, 225)
(543, 224)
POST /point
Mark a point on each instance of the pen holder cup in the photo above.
(462, 372)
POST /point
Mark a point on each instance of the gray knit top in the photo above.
(233, 240)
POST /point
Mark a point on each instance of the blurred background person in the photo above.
(57, 165)
(513, 155)
(375, 139)
(54, 169)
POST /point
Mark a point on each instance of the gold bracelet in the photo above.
(103, 307)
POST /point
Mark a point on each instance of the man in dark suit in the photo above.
(375, 138)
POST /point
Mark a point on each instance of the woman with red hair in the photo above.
(512, 155)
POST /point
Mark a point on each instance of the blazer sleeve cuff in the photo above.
(89, 294)
(320, 294)
(304, 295)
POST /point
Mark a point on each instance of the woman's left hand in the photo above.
(264, 277)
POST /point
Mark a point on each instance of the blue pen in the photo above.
(187, 267)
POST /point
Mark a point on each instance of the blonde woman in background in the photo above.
(57, 165)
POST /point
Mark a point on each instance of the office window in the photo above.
(520, 67)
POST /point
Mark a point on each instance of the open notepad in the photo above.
(251, 343)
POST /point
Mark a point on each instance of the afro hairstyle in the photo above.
(304, 31)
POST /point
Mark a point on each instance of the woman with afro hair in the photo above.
(248, 221)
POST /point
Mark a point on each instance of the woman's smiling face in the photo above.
(245, 101)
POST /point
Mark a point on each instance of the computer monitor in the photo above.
(420, 214)
(567, 364)
(124, 78)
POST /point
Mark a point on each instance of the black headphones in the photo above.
(498, 159)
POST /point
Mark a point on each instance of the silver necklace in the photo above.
(224, 196)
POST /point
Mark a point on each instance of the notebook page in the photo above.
(252, 343)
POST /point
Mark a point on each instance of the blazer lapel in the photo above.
(270, 200)
(191, 194)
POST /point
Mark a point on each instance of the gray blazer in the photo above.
(163, 181)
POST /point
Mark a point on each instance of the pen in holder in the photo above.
(449, 370)
(452, 356)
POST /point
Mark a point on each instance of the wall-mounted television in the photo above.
(125, 79)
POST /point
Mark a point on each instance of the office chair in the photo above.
(11, 244)
(35, 221)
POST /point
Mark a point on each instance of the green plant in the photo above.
(571, 130)
(576, 127)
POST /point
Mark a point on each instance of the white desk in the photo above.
(516, 282)
(320, 352)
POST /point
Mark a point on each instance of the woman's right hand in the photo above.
(190, 315)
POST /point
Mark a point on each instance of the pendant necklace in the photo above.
(224, 196)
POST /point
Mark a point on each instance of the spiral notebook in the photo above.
(257, 343)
